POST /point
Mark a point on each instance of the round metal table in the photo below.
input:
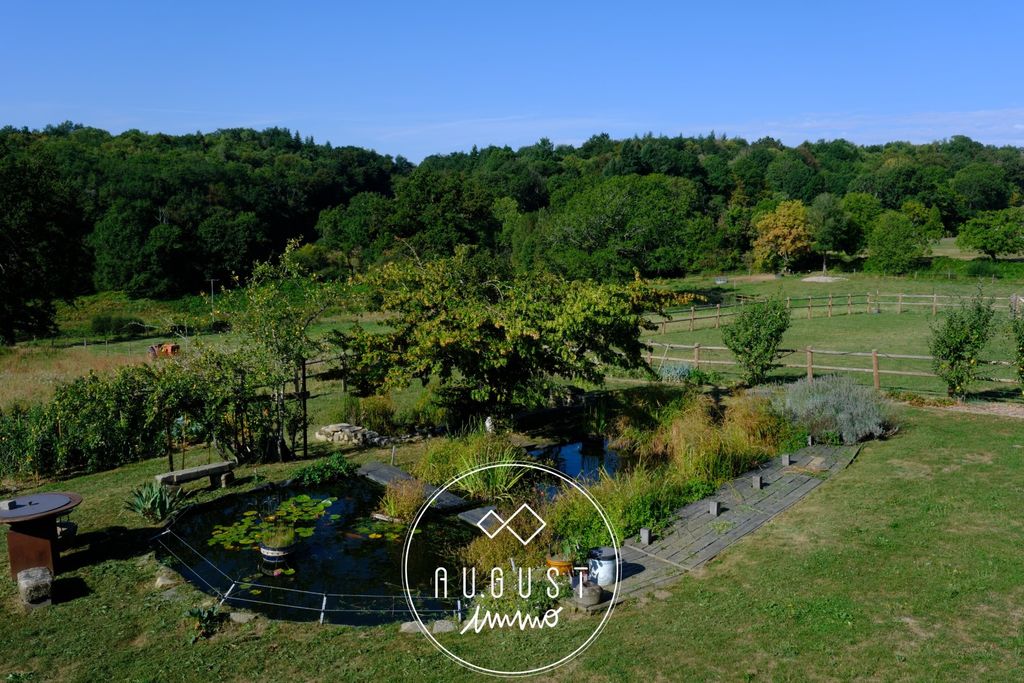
(32, 536)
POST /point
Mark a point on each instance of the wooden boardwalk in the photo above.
(696, 535)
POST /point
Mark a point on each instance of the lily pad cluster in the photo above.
(291, 520)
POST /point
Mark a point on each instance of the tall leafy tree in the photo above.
(783, 235)
(830, 227)
(495, 344)
(895, 244)
(994, 232)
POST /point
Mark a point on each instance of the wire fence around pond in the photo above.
(318, 604)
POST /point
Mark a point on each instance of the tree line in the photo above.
(156, 215)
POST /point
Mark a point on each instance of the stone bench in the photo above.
(220, 473)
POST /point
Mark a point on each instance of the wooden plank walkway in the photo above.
(696, 536)
(383, 474)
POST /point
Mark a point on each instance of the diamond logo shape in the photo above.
(492, 523)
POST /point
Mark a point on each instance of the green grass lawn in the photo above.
(905, 566)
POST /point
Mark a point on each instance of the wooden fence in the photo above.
(811, 358)
(829, 306)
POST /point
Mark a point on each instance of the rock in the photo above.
(662, 595)
(411, 627)
(166, 580)
(241, 617)
(170, 594)
(443, 626)
(35, 584)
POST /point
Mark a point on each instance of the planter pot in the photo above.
(276, 554)
(564, 567)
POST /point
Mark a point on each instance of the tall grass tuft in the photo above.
(448, 458)
(701, 448)
(402, 499)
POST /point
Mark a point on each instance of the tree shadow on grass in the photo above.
(111, 543)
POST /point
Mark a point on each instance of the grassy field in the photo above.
(906, 566)
(888, 331)
(29, 371)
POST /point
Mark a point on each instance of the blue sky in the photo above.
(425, 77)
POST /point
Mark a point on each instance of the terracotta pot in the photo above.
(564, 567)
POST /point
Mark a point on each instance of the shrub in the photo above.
(378, 414)
(1017, 331)
(22, 440)
(402, 499)
(957, 341)
(373, 412)
(103, 325)
(328, 470)
(205, 622)
(834, 407)
(755, 337)
(100, 422)
(154, 502)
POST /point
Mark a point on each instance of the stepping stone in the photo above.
(443, 626)
(241, 617)
(411, 627)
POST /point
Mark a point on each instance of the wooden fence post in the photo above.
(810, 364)
(867, 306)
(849, 304)
(696, 356)
(663, 326)
(718, 316)
(830, 305)
(874, 368)
(899, 306)
(935, 304)
(692, 311)
(808, 308)
(787, 303)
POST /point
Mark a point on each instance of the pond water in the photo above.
(582, 460)
(348, 569)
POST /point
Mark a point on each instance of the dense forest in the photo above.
(156, 215)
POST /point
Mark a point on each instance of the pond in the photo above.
(346, 569)
(582, 460)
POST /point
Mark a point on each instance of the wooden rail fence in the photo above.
(840, 304)
(809, 365)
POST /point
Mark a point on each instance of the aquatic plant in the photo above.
(292, 519)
